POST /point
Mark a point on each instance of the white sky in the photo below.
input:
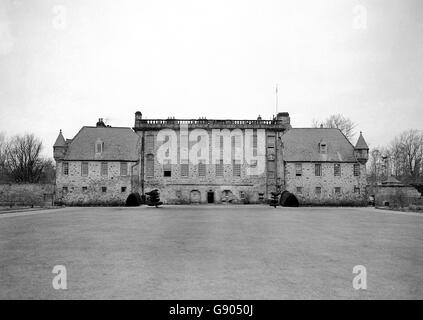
(64, 64)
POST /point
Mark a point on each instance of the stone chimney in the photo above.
(284, 117)
(100, 123)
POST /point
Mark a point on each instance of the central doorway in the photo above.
(210, 197)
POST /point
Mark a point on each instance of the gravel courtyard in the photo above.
(211, 252)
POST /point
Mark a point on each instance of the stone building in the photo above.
(392, 192)
(95, 167)
(211, 161)
(323, 168)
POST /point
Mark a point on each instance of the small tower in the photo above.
(361, 150)
(59, 147)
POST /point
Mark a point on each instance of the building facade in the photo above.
(210, 161)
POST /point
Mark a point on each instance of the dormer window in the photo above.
(323, 147)
(99, 146)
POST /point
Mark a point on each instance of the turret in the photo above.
(361, 150)
(59, 147)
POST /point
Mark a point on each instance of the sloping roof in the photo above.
(361, 143)
(392, 181)
(302, 144)
(120, 144)
(60, 141)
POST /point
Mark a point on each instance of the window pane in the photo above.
(337, 169)
(202, 169)
(84, 169)
(123, 168)
(318, 169)
(236, 168)
(356, 169)
(65, 168)
(219, 169)
(104, 169)
(149, 143)
(298, 169)
(184, 169)
(149, 166)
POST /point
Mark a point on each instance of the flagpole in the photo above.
(276, 104)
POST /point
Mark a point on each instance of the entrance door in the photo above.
(210, 197)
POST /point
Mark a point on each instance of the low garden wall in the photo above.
(26, 194)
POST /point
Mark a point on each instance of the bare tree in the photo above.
(340, 122)
(407, 151)
(2, 158)
(22, 158)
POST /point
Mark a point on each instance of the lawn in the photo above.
(211, 252)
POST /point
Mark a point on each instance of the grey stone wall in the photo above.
(178, 189)
(94, 182)
(327, 181)
(26, 194)
(396, 196)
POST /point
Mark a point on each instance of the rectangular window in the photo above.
(84, 169)
(123, 189)
(255, 140)
(167, 169)
(236, 168)
(103, 189)
(65, 168)
(184, 169)
(356, 169)
(298, 169)
(201, 169)
(337, 170)
(149, 166)
(124, 168)
(318, 170)
(270, 141)
(99, 147)
(337, 190)
(356, 190)
(242, 195)
(65, 190)
(84, 189)
(261, 196)
(219, 169)
(104, 169)
(149, 143)
(318, 191)
(300, 190)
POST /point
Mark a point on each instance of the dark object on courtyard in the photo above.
(274, 202)
(288, 200)
(133, 200)
(153, 198)
(371, 200)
